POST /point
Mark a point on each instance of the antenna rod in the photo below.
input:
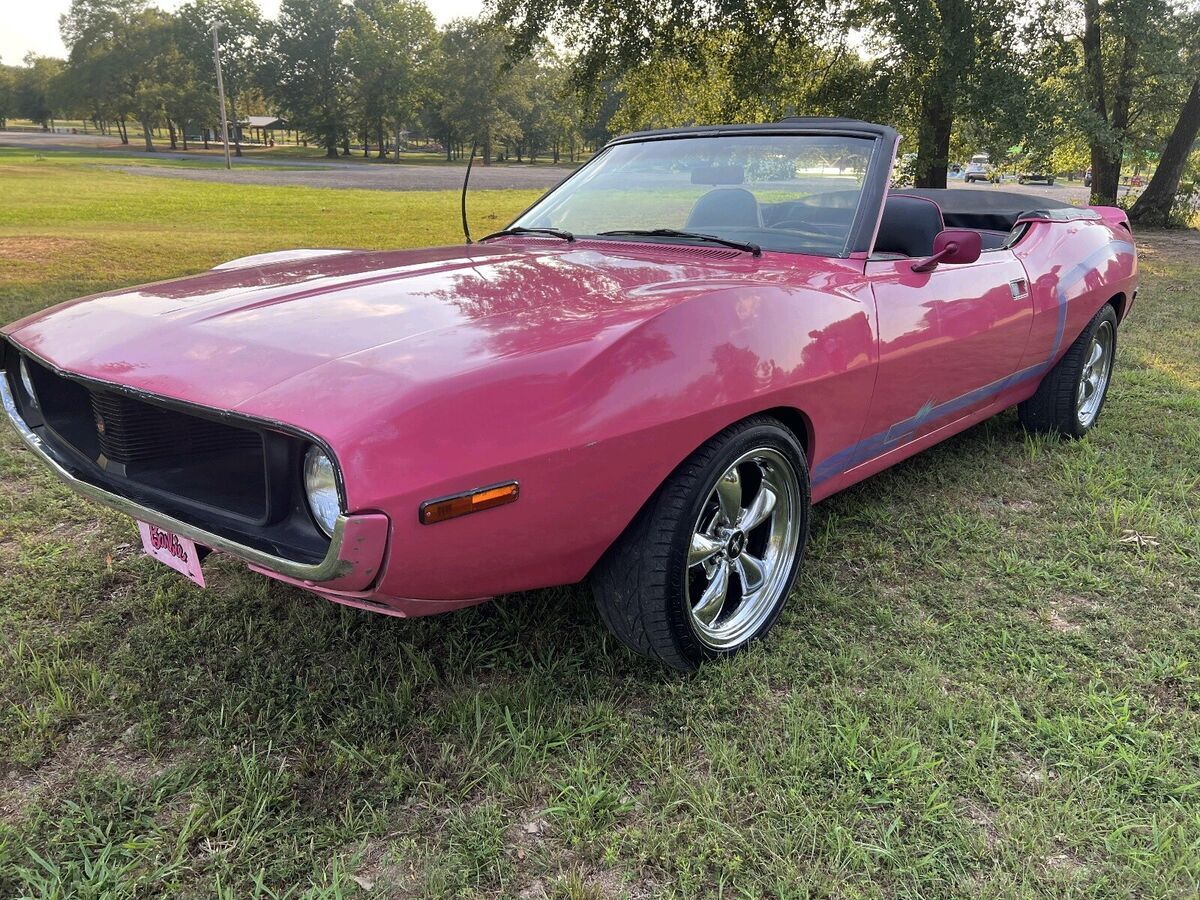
(221, 93)
(466, 180)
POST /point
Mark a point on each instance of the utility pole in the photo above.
(221, 95)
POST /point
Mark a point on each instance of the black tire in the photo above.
(1053, 408)
(640, 585)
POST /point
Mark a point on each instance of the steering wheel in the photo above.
(804, 227)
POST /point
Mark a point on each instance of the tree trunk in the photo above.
(123, 131)
(1107, 142)
(183, 133)
(487, 150)
(345, 145)
(1154, 206)
(146, 131)
(1106, 178)
(331, 146)
(933, 139)
(379, 133)
(171, 132)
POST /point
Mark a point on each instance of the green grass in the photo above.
(987, 683)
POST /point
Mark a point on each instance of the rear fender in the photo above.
(1114, 216)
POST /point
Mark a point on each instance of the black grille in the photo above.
(132, 432)
(234, 477)
(176, 454)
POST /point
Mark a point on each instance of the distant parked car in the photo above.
(981, 169)
(1035, 175)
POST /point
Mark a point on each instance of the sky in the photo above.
(32, 25)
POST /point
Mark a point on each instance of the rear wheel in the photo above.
(1071, 396)
(707, 565)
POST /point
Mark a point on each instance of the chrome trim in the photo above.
(184, 406)
(329, 568)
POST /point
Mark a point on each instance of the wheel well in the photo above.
(1118, 304)
(798, 424)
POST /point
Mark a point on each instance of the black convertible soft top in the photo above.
(985, 209)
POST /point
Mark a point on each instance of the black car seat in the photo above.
(908, 226)
(735, 207)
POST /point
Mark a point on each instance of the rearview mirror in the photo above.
(718, 175)
(956, 246)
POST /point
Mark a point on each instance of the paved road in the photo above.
(1066, 191)
(369, 176)
(387, 177)
(303, 172)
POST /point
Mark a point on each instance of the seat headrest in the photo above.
(725, 206)
(908, 226)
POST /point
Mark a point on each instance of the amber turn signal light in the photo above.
(443, 508)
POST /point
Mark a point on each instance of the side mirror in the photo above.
(956, 246)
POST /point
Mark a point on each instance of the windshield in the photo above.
(794, 193)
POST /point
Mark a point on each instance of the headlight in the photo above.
(26, 381)
(320, 485)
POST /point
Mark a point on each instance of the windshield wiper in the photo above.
(748, 247)
(518, 229)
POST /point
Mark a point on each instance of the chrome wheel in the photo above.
(1093, 381)
(743, 547)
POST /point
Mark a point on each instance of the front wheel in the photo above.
(1070, 397)
(706, 566)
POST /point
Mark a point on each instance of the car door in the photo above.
(947, 340)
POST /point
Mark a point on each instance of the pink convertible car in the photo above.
(646, 381)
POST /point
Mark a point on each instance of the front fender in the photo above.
(591, 432)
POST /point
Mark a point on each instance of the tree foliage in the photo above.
(308, 72)
(242, 33)
(1062, 84)
(390, 44)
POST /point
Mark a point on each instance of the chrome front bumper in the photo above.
(331, 568)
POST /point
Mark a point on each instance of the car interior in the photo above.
(909, 224)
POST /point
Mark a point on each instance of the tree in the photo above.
(476, 93)
(34, 87)
(931, 56)
(242, 31)
(8, 93)
(1129, 67)
(1155, 205)
(1158, 201)
(719, 78)
(187, 96)
(545, 106)
(116, 59)
(308, 72)
(389, 45)
(149, 77)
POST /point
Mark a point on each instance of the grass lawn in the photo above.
(987, 683)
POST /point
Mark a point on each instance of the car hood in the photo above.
(225, 337)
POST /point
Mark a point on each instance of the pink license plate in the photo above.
(173, 550)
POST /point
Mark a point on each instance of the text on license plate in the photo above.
(172, 549)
